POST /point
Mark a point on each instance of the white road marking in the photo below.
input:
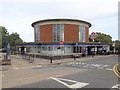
(29, 67)
(117, 86)
(15, 67)
(87, 65)
(76, 85)
(109, 69)
(107, 65)
(36, 66)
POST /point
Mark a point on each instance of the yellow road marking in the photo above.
(115, 69)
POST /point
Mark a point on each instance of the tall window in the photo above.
(58, 32)
(82, 33)
(37, 33)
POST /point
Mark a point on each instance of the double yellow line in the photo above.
(116, 70)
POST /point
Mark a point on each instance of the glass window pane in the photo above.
(82, 33)
(58, 32)
(37, 32)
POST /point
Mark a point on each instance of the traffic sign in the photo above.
(93, 35)
(61, 42)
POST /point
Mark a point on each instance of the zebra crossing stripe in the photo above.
(86, 65)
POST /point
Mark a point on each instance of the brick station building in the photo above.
(56, 30)
(61, 36)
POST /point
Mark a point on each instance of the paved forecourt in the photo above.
(96, 73)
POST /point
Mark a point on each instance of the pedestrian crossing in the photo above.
(89, 65)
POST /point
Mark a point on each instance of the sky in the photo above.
(18, 15)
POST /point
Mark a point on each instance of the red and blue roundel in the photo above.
(93, 35)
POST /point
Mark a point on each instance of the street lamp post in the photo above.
(6, 61)
(7, 46)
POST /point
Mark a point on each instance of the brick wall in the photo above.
(71, 33)
(46, 33)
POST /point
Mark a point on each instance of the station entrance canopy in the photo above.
(65, 44)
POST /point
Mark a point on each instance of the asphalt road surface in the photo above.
(92, 73)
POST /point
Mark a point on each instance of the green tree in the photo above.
(3, 32)
(0, 39)
(102, 38)
(117, 44)
(14, 38)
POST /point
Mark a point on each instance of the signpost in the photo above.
(61, 42)
(7, 47)
(6, 61)
(93, 36)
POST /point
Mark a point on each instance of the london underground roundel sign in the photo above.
(93, 35)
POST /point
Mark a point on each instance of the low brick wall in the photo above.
(5, 62)
(54, 57)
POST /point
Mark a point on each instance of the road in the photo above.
(91, 73)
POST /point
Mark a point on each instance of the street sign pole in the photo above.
(6, 47)
(94, 48)
(93, 36)
(61, 47)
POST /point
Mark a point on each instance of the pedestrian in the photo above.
(104, 52)
(93, 54)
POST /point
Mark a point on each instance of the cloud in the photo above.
(17, 15)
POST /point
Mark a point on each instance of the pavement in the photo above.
(19, 63)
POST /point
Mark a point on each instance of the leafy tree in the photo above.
(14, 38)
(117, 44)
(102, 38)
(3, 32)
(0, 39)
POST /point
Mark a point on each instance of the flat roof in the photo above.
(47, 20)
